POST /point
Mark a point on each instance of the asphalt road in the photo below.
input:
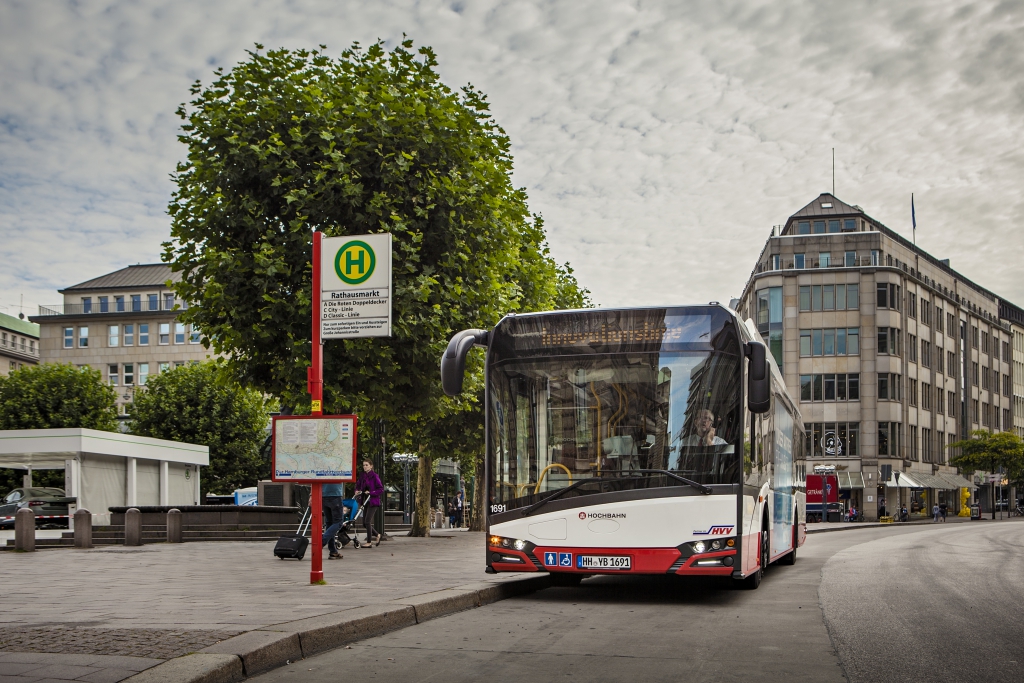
(942, 603)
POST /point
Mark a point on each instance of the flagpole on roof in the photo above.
(913, 217)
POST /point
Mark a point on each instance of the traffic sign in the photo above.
(355, 286)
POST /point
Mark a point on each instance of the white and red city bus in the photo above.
(635, 441)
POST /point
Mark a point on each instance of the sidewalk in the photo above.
(103, 614)
(821, 527)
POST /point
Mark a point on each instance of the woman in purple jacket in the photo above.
(371, 487)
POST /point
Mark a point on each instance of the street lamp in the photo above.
(406, 459)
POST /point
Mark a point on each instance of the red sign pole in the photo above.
(316, 390)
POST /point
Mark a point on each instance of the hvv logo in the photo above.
(717, 530)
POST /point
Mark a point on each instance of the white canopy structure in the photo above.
(107, 469)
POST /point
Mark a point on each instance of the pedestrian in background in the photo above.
(460, 499)
(943, 509)
(371, 487)
(452, 514)
(333, 495)
(935, 513)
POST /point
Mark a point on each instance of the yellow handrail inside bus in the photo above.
(545, 471)
(598, 440)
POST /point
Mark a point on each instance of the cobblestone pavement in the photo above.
(159, 601)
(142, 642)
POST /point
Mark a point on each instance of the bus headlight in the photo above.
(716, 544)
(699, 547)
(506, 542)
(519, 544)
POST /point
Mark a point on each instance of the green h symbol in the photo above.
(350, 262)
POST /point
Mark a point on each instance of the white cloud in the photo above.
(661, 141)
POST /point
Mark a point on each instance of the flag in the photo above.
(913, 215)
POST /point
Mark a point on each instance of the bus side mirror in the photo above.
(759, 378)
(453, 362)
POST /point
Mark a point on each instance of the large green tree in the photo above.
(201, 404)
(50, 396)
(990, 452)
(288, 142)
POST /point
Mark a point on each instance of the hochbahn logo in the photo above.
(602, 515)
(355, 262)
(717, 530)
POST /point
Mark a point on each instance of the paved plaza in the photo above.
(104, 613)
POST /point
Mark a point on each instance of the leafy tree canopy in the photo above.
(199, 404)
(56, 395)
(989, 451)
(288, 142)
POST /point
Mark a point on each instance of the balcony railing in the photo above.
(111, 307)
(21, 347)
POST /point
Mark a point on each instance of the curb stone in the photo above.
(269, 647)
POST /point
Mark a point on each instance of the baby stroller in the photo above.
(347, 531)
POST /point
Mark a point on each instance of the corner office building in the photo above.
(892, 354)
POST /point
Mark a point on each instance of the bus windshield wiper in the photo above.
(706, 490)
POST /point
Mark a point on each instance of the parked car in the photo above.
(45, 502)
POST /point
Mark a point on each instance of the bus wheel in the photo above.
(560, 580)
(754, 580)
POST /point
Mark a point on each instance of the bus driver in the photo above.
(705, 431)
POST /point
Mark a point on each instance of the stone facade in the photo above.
(123, 324)
(885, 347)
(19, 343)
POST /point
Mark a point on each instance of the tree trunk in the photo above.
(477, 523)
(424, 478)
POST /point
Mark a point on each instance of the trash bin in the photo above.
(975, 512)
(835, 516)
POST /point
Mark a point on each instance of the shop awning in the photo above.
(905, 481)
(851, 480)
(930, 481)
(955, 481)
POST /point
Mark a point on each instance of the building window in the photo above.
(805, 297)
(129, 335)
(974, 375)
(179, 363)
(824, 260)
(926, 354)
(113, 333)
(984, 378)
(798, 261)
(974, 336)
(832, 439)
(926, 396)
(888, 386)
(850, 259)
(952, 404)
(819, 227)
(911, 306)
(83, 337)
(951, 362)
(143, 334)
(776, 262)
(939, 402)
(195, 337)
(803, 227)
(179, 333)
(950, 324)
(830, 342)
(168, 302)
(69, 337)
(136, 303)
(119, 304)
(938, 320)
(984, 342)
(912, 392)
(154, 303)
(1007, 419)
(830, 387)
(874, 257)
(1006, 352)
(849, 225)
(143, 374)
(86, 304)
(833, 225)
(1007, 386)
(889, 341)
(165, 333)
(974, 410)
(938, 361)
(104, 305)
(112, 374)
(911, 348)
(129, 374)
(889, 438)
(769, 319)
(164, 367)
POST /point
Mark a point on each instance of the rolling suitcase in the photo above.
(291, 547)
(294, 546)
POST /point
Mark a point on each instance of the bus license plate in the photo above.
(603, 562)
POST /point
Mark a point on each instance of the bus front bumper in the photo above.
(572, 560)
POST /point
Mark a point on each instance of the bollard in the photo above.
(83, 528)
(174, 525)
(438, 520)
(25, 530)
(133, 527)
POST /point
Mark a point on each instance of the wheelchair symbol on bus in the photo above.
(564, 559)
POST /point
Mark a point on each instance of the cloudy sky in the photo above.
(660, 140)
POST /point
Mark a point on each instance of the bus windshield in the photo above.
(606, 414)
